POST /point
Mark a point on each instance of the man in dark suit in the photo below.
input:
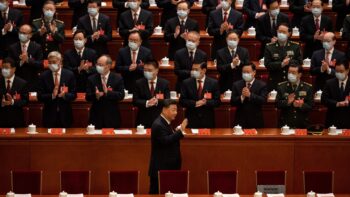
(149, 94)
(200, 95)
(169, 9)
(184, 58)
(324, 60)
(230, 60)
(342, 8)
(97, 27)
(222, 21)
(57, 91)
(248, 95)
(13, 96)
(346, 34)
(10, 21)
(80, 60)
(36, 7)
(313, 27)
(131, 59)
(176, 29)
(299, 8)
(165, 141)
(28, 57)
(136, 19)
(79, 8)
(211, 5)
(254, 9)
(124, 5)
(336, 97)
(105, 90)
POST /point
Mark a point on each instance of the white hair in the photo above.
(55, 54)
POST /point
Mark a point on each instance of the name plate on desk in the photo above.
(107, 131)
(300, 132)
(230, 195)
(23, 195)
(125, 195)
(250, 131)
(272, 189)
(325, 195)
(346, 132)
(180, 195)
(7, 131)
(56, 131)
(203, 131)
(75, 195)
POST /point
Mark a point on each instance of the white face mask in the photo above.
(316, 11)
(275, 12)
(247, 77)
(79, 44)
(182, 13)
(100, 69)
(282, 37)
(232, 44)
(49, 13)
(191, 45)
(133, 5)
(92, 11)
(53, 67)
(133, 45)
(148, 75)
(3, 7)
(6, 72)
(23, 37)
(225, 5)
(292, 78)
(340, 76)
(195, 74)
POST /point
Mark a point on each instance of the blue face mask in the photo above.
(182, 13)
(232, 44)
(316, 11)
(247, 77)
(327, 45)
(292, 78)
(49, 13)
(23, 37)
(275, 12)
(191, 45)
(3, 7)
(195, 74)
(282, 37)
(92, 11)
(340, 76)
(148, 75)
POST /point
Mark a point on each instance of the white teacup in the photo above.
(10, 194)
(90, 128)
(238, 129)
(295, 31)
(311, 194)
(173, 94)
(285, 129)
(218, 194)
(240, 2)
(63, 194)
(168, 194)
(200, 2)
(307, 62)
(273, 94)
(332, 129)
(318, 94)
(227, 94)
(22, 2)
(31, 128)
(126, 92)
(113, 194)
(284, 2)
(262, 62)
(251, 31)
(140, 128)
(158, 30)
(165, 61)
(258, 194)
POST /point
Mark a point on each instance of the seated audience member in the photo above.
(342, 8)
(299, 8)
(346, 34)
(253, 9)
(36, 7)
(211, 5)
(168, 9)
(124, 5)
(79, 8)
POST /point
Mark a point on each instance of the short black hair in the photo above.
(345, 63)
(188, 4)
(203, 65)
(251, 64)
(49, 2)
(168, 102)
(154, 63)
(286, 25)
(98, 2)
(269, 2)
(294, 65)
(135, 32)
(79, 31)
(10, 61)
(232, 32)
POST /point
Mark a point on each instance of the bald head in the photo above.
(25, 33)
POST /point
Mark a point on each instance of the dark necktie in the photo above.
(4, 17)
(135, 18)
(274, 27)
(249, 85)
(152, 88)
(8, 87)
(94, 24)
(200, 89)
(182, 26)
(317, 24)
(191, 56)
(233, 53)
(342, 89)
(225, 16)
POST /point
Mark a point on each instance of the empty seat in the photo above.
(318, 181)
(271, 182)
(176, 181)
(75, 182)
(124, 182)
(26, 182)
(223, 181)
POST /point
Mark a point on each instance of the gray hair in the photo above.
(55, 54)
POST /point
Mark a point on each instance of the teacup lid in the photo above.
(319, 91)
(169, 192)
(63, 193)
(332, 127)
(258, 192)
(307, 58)
(112, 193)
(217, 193)
(238, 127)
(311, 192)
(273, 91)
(295, 28)
(251, 28)
(91, 125)
(140, 125)
(285, 126)
(228, 90)
(165, 58)
(10, 193)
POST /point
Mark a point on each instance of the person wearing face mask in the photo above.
(299, 8)
(57, 91)
(150, 92)
(28, 57)
(230, 61)
(105, 90)
(47, 30)
(267, 25)
(342, 8)
(323, 61)
(294, 99)
(131, 59)
(97, 27)
(221, 21)
(248, 96)
(79, 8)
(313, 27)
(136, 19)
(335, 96)
(211, 5)
(279, 55)
(80, 60)
(200, 95)
(176, 29)
(36, 7)
(186, 57)
(13, 96)
(254, 9)
(169, 9)
(124, 5)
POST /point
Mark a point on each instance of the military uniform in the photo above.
(274, 56)
(294, 117)
(49, 41)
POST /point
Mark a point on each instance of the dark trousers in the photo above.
(153, 187)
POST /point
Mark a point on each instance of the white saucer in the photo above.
(32, 133)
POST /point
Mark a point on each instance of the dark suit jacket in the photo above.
(227, 74)
(104, 113)
(346, 34)
(169, 10)
(337, 116)
(249, 112)
(57, 112)
(165, 150)
(79, 10)
(340, 7)
(200, 117)
(177, 43)
(251, 8)
(183, 64)
(124, 61)
(12, 116)
(210, 5)
(297, 8)
(316, 63)
(146, 115)
(120, 6)
(36, 7)
(103, 23)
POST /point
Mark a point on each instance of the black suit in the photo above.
(57, 112)
(126, 23)
(251, 8)
(120, 6)
(307, 32)
(146, 115)
(178, 42)
(36, 7)
(204, 116)
(210, 5)
(346, 34)
(168, 10)
(337, 116)
(71, 61)
(103, 23)
(183, 64)
(316, 63)
(235, 18)
(12, 116)
(104, 113)
(29, 71)
(228, 75)
(124, 61)
(340, 7)
(249, 112)
(79, 10)
(297, 8)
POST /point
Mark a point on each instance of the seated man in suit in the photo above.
(165, 141)
(13, 96)
(11, 20)
(248, 96)
(57, 91)
(184, 58)
(313, 27)
(324, 60)
(222, 21)
(254, 10)
(299, 8)
(294, 99)
(177, 28)
(279, 55)
(124, 5)
(131, 59)
(97, 27)
(79, 8)
(342, 8)
(230, 60)
(200, 95)
(168, 9)
(336, 97)
(346, 34)
(149, 94)
(36, 7)
(105, 90)
(28, 57)
(211, 5)
(136, 19)
(80, 60)
(267, 25)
